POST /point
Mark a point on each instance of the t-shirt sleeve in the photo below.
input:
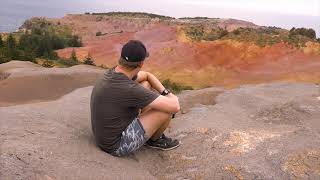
(138, 96)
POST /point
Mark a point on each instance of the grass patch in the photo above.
(133, 14)
(67, 63)
(263, 36)
(175, 87)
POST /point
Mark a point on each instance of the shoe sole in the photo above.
(159, 148)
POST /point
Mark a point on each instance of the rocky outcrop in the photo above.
(25, 82)
(268, 131)
(256, 55)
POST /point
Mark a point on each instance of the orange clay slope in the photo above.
(174, 56)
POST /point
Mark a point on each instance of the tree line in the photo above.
(37, 43)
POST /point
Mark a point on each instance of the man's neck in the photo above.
(129, 74)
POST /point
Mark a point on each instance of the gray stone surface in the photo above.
(268, 131)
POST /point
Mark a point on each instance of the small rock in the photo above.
(181, 136)
(203, 130)
(188, 158)
(192, 169)
(47, 177)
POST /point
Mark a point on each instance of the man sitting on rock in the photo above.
(126, 112)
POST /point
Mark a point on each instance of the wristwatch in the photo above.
(165, 92)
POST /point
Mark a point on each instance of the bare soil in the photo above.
(173, 55)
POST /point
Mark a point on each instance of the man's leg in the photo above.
(161, 128)
(154, 123)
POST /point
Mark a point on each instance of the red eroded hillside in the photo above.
(173, 55)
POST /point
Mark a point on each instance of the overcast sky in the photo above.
(178, 7)
(282, 13)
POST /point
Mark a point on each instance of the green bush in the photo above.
(268, 36)
(236, 32)
(47, 64)
(67, 62)
(199, 33)
(215, 34)
(310, 33)
(88, 60)
(1, 41)
(4, 59)
(73, 56)
(133, 14)
(99, 33)
(103, 66)
(175, 87)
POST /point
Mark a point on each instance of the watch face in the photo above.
(165, 92)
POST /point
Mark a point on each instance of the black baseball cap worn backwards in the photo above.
(134, 51)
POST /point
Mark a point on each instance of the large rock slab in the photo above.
(268, 131)
(25, 82)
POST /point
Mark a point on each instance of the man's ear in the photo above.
(141, 64)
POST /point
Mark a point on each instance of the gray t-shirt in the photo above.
(115, 103)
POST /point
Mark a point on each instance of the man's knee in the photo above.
(152, 120)
(156, 114)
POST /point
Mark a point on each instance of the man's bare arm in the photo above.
(169, 103)
(153, 81)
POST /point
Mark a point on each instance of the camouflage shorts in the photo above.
(132, 139)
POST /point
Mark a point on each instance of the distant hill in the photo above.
(192, 51)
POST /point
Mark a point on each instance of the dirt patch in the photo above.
(4, 76)
(243, 142)
(189, 99)
(234, 171)
(288, 113)
(303, 165)
(186, 162)
(29, 86)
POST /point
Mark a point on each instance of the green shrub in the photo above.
(310, 33)
(73, 56)
(236, 32)
(215, 34)
(3, 59)
(199, 33)
(48, 64)
(104, 66)
(1, 41)
(67, 62)
(195, 32)
(132, 14)
(88, 60)
(99, 18)
(99, 33)
(175, 87)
